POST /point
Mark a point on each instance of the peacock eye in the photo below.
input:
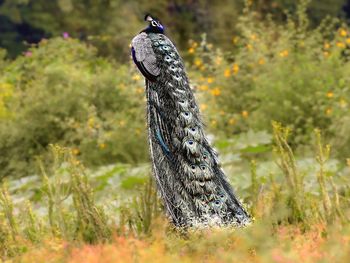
(193, 167)
(154, 23)
(186, 113)
(190, 142)
(217, 202)
(182, 101)
(203, 167)
(193, 129)
(204, 157)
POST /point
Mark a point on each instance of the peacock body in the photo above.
(186, 168)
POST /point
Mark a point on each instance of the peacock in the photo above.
(190, 181)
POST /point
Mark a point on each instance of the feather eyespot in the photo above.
(193, 129)
(217, 202)
(190, 142)
(186, 114)
(203, 167)
(182, 101)
(193, 167)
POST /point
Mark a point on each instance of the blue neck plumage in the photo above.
(152, 29)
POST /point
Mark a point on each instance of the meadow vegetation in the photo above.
(75, 180)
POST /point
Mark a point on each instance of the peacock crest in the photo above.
(190, 181)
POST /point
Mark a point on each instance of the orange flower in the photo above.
(231, 121)
(245, 114)
(227, 73)
(261, 61)
(215, 92)
(235, 68)
(191, 50)
(330, 94)
(342, 32)
(284, 53)
(340, 44)
(210, 80)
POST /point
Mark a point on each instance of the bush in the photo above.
(288, 73)
(61, 92)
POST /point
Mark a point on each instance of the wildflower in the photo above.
(202, 68)
(235, 68)
(136, 77)
(28, 53)
(75, 151)
(203, 87)
(329, 111)
(191, 50)
(231, 121)
(65, 35)
(198, 62)
(139, 90)
(261, 61)
(348, 40)
(235, 40)
(245, 114)
(227, 73)
(284, 53)
(122, 123)
(253, 37)
(330, 94)
(326, 54)
(210, 80)
(203, 106)
(102, 145)
(342, 32)
(326, 45)
(218, 61)
(215, 92)
(340, 45)
(214, 122)
(343, 103)
(249, 47)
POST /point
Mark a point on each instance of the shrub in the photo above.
(61, 92)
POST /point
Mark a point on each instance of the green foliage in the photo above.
(284, 72)
(61, 92)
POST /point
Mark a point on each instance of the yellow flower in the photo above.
(91, 122)
(214, 122)
(235, 40)
(326, 54)
(284, 53)
(122, 123)
(348, 40)
(340, 44)
(253, 37)
(139, 90)
(102, 145)
(342, 32)
(203, 87)
(227, 73)
(198, 62)
(343, 103)
(245, 114)
(203, 106)
(329, 111)
(191, 50)
(218, 61)
(330, 94)
(75, 151)
(261, 61)
(326, 45)
(202, 68)
(249, 47)
(210, 80)
(231, 121)
(136, 77)
(215, 92)
(235, 68)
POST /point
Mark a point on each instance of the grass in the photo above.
(67, 221)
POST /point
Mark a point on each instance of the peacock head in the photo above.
(154, 25)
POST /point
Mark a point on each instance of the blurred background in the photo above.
(67, 78)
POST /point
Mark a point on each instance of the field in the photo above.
(76, 182)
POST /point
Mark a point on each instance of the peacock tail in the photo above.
(189, 179)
